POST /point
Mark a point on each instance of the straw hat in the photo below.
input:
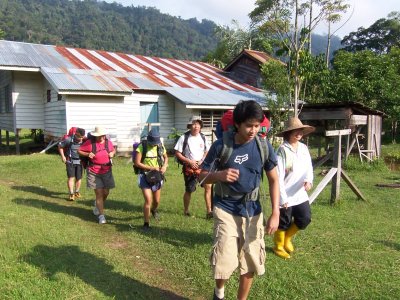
(194, 119)
(98, 131)
(294, 123)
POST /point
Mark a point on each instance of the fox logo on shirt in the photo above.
(241, 159)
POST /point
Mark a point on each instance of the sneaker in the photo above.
(216, 298)
(209, 215)
(102, 219)
(77, 195)
(155, 214)
(96, 211)
(71, 197)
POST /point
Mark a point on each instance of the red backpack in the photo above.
(227, 124)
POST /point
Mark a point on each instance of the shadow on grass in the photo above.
(175, 237)
(40, 191)
(93, 271)
(76, 211)
(395, 246)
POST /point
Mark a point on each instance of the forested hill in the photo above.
(93, 24)
(99, 25)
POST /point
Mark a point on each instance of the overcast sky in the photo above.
(366, 12)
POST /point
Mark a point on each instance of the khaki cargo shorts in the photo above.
(100, 181)
(237, 244)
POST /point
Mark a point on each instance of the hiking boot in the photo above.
(155, 214)
(77, 195)
(146, 227)
(71, 197)
(102, 219)
(96, 211)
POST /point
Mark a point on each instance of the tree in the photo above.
(380, 37)
(275, 83)
(232, 40)
(2, 34)
(281, 19)
(369, 78)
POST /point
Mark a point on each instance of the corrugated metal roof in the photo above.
(198, 97)
(259, 56)
(74, 69)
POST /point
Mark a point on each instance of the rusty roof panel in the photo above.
(79, 69)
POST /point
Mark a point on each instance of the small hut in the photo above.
(365, 124)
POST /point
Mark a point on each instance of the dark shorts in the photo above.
(100, 181)
(300, 215)
(74, 170)
(143, 184)
(190, 183)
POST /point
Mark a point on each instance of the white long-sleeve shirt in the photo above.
(294, 168)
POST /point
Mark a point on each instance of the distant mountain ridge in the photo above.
(92, 24)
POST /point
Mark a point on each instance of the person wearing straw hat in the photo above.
(100, 150)
(295, 180)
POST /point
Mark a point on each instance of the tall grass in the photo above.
(54, 249)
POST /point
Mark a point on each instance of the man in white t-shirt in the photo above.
(190, 150)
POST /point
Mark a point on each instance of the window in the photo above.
(48, 95)
(8, 98)
(148, 114)
(211, 117)
(59, 97)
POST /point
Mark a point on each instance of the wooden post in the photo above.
(336, 172)
(17, 148)
(7, 138)
(337, 163)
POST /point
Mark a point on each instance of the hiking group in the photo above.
(231, 172)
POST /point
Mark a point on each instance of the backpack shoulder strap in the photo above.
(144, 146)
(263, 147)
(93, 146)
(185, 141)
(160, 155)
(227, 148)
(106, 145)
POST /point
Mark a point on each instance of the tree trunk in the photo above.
(394, 131)
(309, 28)
(328, 46)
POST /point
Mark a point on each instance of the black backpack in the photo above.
(185, 144)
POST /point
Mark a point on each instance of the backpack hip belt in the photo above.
(229, 193)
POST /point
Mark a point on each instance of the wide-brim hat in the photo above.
(153, 137)
(294, 123)
(194, 119)
(98, 131)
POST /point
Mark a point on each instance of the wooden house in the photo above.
(54, 88)
(365, 124)
(246, 67)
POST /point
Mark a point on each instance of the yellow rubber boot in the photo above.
(279, 240)
(292, 230)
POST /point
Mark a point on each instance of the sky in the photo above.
(222, 12)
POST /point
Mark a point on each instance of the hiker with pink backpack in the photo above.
(100, 151)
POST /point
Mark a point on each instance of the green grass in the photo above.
(54, 249)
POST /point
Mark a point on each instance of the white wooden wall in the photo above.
(6, 119)
(29, 100)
